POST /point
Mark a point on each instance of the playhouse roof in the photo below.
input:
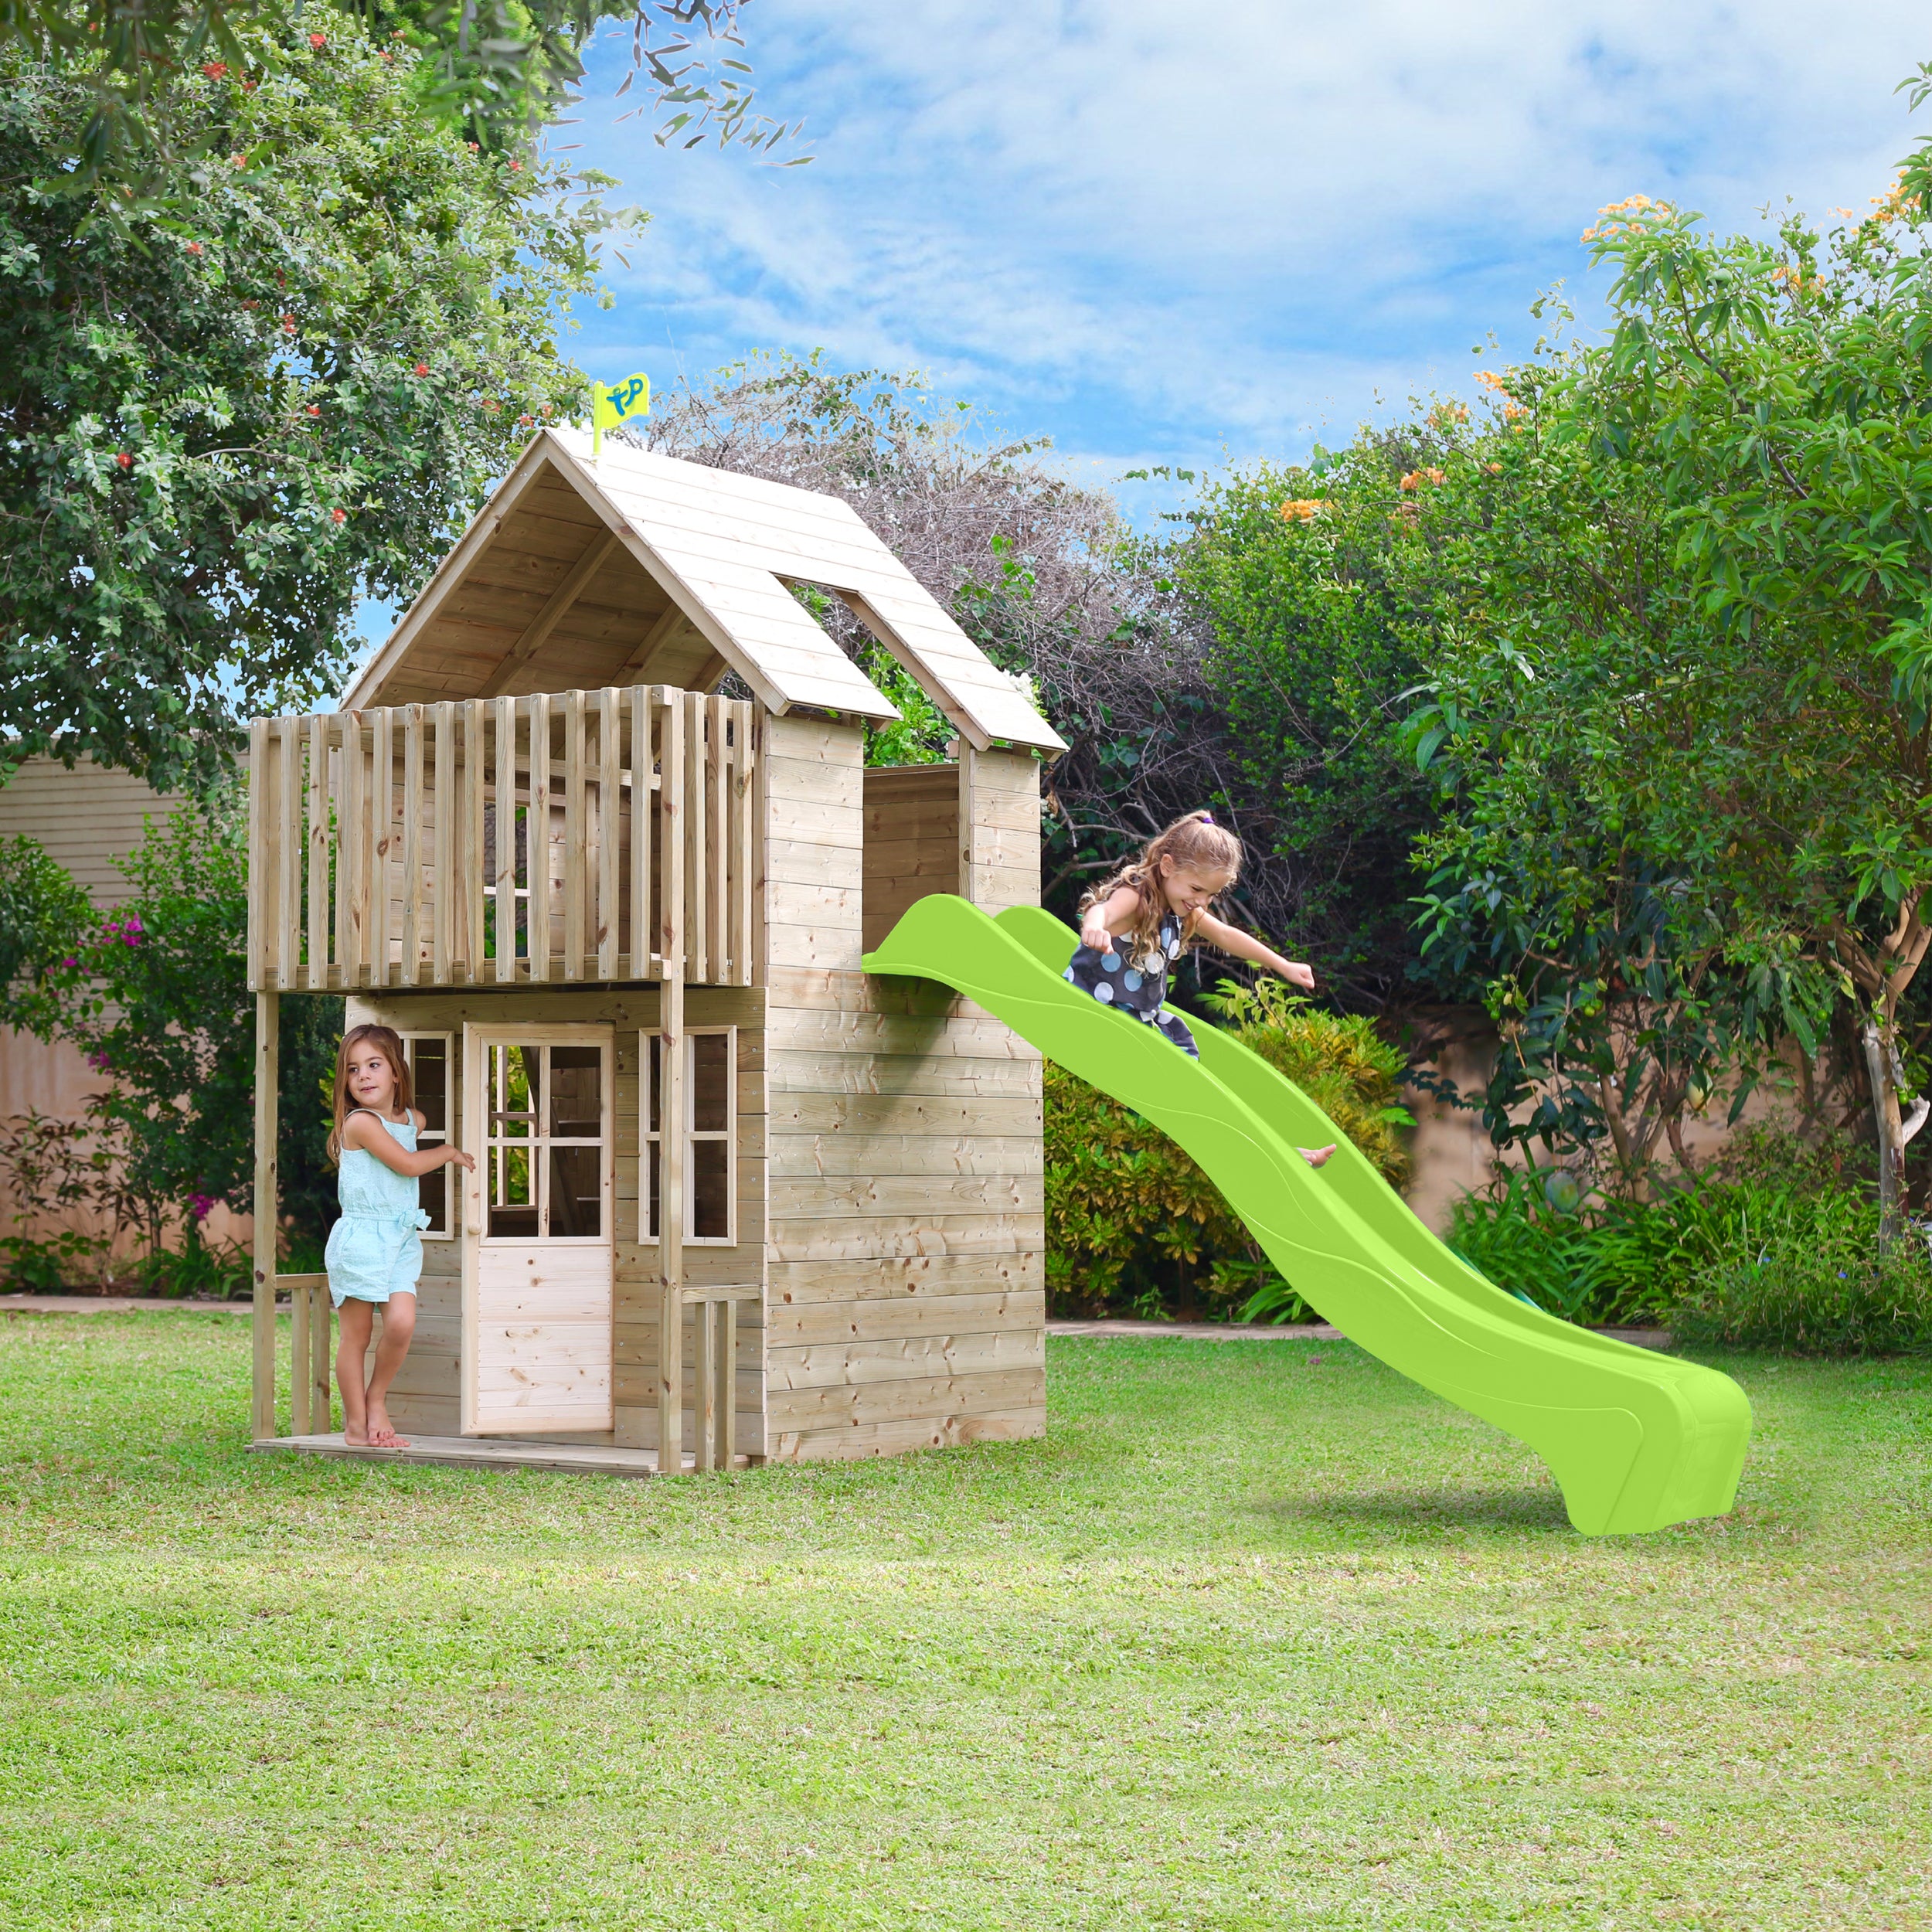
(637, 568)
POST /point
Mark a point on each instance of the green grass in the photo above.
(1261, 1636)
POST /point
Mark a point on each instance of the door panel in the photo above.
(538, 1301)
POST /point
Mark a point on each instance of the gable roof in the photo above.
(643, 568)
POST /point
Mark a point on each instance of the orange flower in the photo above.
(318, 41)
(216, 69)
(1302, 509)
(338, 516)
(1495, 469)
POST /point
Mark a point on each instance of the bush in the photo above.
(1809, 1297)
(1134, 1227)
(1777, 1245)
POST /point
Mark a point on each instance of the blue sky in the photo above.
(1194, 234)
(1201, 235)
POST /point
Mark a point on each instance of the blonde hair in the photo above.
(387, 1042)
(1194, 841)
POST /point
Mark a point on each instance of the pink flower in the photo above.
(98, 1062)
(318, 41)
(70, 960)
(201, 1206)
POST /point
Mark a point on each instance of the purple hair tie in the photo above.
(1207, 819)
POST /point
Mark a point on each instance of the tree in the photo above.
(1775, 390)
(495, 68)
(235, 409)
(1323, 599)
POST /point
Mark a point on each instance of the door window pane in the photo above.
(576, 1197)
(576, 1105)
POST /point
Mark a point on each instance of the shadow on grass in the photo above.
(1539, 1511)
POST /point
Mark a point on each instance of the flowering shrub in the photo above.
(1134, 1226)
(154, 994)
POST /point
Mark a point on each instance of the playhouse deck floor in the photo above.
(471, 1452)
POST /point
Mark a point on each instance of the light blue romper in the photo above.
(375, 1250)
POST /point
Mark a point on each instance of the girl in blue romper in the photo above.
(1135, 926)
(374, 1253)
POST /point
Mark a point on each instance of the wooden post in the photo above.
(266, 1205)
(671, 1099)
(319, 1359)
(443, 849)
(704, 1381)
(727, 1445)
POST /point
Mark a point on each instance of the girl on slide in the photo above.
(1135, 925)
(375, 1251)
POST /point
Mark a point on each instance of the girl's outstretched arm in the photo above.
(365, 1132)
(1230, 939)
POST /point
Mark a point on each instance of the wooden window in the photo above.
(710, 1136)
(432, 1064)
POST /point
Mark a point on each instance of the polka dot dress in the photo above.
(1136, 985)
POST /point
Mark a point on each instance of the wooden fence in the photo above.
(583, 835)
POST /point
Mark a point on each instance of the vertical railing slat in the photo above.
(671, 1091)
(505, 879)
(315, 846)
(538, 837)
(638, 937)
(412, 972)
(261, 860)
(695, 752)
(443, 845)
(718, 869)
(576, 843)
(288, 830)
(383, 930)
(470, 864)
(610, 821)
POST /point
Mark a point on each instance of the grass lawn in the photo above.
(1260, 1636)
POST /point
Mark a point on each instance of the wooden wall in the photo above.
(905, 1299)
(912, 840)
(425, 1395)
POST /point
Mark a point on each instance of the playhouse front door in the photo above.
(539, 1301)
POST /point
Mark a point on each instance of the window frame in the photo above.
(651, 1139)
(444, 1135)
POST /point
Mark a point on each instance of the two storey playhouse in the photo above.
(735, 1199)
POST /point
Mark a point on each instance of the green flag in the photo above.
(616, 404)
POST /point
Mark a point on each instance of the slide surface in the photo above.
(1636, 1439)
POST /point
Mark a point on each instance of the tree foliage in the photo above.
(236, 409)
(497, 69)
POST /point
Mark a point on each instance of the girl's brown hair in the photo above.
(389, 1043)
(1195, 842)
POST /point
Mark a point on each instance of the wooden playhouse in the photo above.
(733, 1194)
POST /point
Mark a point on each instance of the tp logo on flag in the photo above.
(618, 403)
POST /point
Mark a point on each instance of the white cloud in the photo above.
(1143, 225)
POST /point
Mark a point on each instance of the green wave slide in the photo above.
(1636, 1439)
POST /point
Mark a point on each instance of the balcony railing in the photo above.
(585, 835)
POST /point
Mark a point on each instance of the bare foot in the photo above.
(356, 1438)
(1316, 1156)
(382, 1431)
